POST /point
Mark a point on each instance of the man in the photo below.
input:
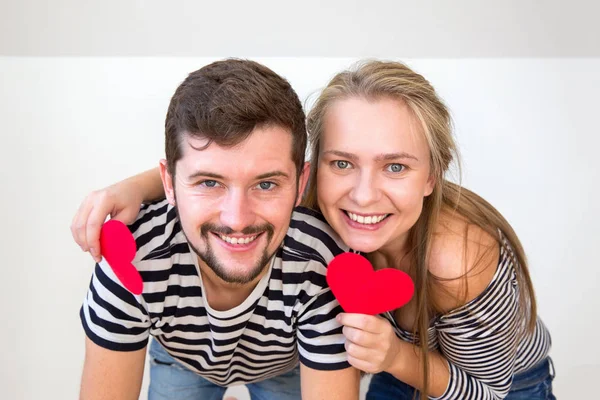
(234, 292)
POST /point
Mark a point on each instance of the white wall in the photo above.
(527, 129)
(332, 28)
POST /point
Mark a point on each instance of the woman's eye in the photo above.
(266, 185)
(395, 168)
(341, 164)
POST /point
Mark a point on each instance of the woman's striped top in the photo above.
(481, 339)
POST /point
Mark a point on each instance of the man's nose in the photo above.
(237, 211)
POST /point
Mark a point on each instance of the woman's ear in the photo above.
(430, 185)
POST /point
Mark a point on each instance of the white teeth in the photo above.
(234, 240)
(373, 219)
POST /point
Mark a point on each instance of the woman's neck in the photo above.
(393, 254)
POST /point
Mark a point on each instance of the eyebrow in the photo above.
(380, 157)
(206, 174)
(273, 174)
(395, 156)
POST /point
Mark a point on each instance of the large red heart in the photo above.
(118, 249)
(362, 290)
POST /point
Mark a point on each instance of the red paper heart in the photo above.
(118, 248)
(362, 290)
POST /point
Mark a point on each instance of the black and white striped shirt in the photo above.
(289, 316)
(480, 339)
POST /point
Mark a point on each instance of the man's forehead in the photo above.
(255, 155)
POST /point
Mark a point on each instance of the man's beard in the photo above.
(211, 260)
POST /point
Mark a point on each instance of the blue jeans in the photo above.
(533, 384)
(170, 380)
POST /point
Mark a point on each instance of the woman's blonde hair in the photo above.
(381, 79)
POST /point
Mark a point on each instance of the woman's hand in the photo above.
(371, 343)
(119, 201)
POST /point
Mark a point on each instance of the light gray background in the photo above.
(335, 28)
(80, 109)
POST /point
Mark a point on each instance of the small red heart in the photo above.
(118, 248)
(362, 290)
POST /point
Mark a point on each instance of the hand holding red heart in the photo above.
(371, 343)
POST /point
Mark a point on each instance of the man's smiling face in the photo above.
(235, 203)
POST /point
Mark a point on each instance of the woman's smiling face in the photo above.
(373, 172)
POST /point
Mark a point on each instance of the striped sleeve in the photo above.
(480, 342)
(320, 338)
(112, 317)
(313, 244)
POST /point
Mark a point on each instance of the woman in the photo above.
(381, 144)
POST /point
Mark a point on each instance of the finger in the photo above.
(103, 207)
(369, 323)
(127, 215)
(78, 224)
(362, 365)
(357, 351)
(360, 337)
(93, 227)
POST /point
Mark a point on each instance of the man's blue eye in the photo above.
(209, 183)
(395, 168)
(266, 185)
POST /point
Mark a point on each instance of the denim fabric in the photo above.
(384, 386)
(170, 380)
(533, 384)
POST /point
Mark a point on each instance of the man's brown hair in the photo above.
(226, 100)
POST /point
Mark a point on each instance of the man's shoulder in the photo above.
(310, 237)
(157, 232)
(152, 217)
(307, 225)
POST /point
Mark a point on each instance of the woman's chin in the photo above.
(362, 245)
